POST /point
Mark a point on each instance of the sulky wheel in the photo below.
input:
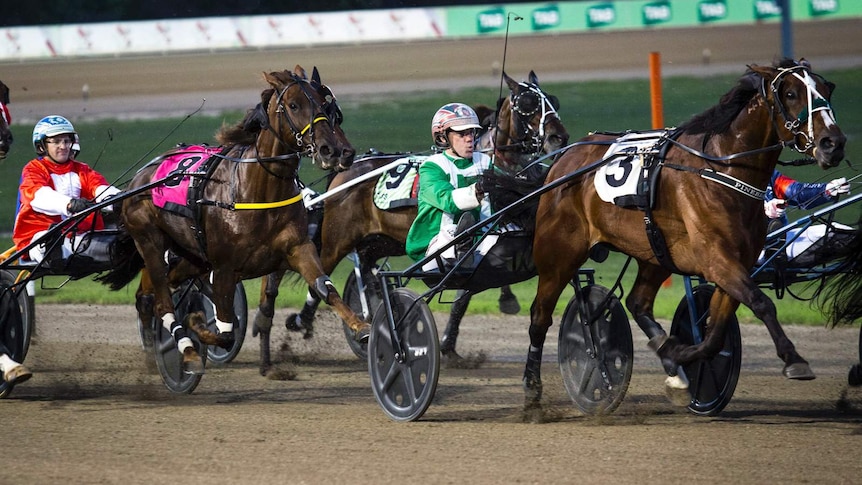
(351, 297)
(26, 304)
(168, 358)
(404, 387)
(12, 332)
(596, 359)
(215, 353)
(711, 382)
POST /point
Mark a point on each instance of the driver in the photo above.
(54, 186)
(783, 191)
(449, 198)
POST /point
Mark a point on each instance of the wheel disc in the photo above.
(712, 381)
(597, 375)
(405, 388)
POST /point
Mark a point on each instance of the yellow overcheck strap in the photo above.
(308, 127)
(267, 205)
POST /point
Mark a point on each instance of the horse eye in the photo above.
(293, 106)
(790, 95)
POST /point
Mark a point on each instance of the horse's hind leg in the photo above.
(263, 318)
(508, 301)
(456, 314)
(640, 304)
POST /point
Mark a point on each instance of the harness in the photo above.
(655, 160)
(328, 112)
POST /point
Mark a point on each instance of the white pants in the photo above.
(805, 239)
(37, 253)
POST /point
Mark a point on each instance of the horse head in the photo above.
(799, 101)
(303, 116)
(528, 124)
(5, 121)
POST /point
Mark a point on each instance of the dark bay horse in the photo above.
(526, 127)
(247, 217)
(5, 121)
(706, 217)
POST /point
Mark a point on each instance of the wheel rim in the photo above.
(596, 380)
(11, 330)
(404, 389)
(168, 358)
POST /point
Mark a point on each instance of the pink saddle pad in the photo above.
(173, 195)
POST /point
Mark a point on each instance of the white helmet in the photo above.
(455, 117)
(52, 126)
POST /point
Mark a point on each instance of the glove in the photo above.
(78, 205)
(837, 186)
(480, 193)
(774, 208)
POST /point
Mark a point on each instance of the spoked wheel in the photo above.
(404, 385)
(11, 331)
(596, 359)
(215, 353)
(168, 358)
(27, 306)
(351, 297)
(712, 381)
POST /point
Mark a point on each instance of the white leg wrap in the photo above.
(224, 326)
(168, 319)
(679, 381)
(6, 363)
(184, 343)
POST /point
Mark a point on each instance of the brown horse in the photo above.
(5, 121)
(247, 218)
(704, 215)
(527, 126)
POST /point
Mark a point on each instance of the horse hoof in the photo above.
(225, 340)
(192, 363)
(509, 304)
(17, 375)
(854, 377)
(532, 392)
(676, 388)
(293, 323)
(363, 334)
(799, 371)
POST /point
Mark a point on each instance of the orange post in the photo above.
(656, 102)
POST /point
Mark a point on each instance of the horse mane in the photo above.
(717, 119)
(245, 132)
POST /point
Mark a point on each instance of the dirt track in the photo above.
(94, 413)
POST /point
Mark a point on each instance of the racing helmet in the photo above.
(455, 117)
(54, 125)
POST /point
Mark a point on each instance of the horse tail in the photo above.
(841, 298)
(128, 262)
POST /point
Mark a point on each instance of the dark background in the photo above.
(82, 11)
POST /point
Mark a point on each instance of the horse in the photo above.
(703, 214)
(524, 126)
(246, 218)
(5, 121)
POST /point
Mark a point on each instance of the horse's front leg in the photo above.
(303, 259)
(304, 320)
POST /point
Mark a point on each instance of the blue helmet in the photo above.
(53, 125)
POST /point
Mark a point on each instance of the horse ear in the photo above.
(315, 76)
(757, 73)
(533, 78)
(300, 72)
(804, 63)
(513, 85)
(270, 79)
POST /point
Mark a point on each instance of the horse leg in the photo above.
(303, 258)
(304, 320)
(224, 285)
(263, 318)
(450, 335)
(508, 301)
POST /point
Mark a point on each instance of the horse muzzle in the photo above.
(829, 150)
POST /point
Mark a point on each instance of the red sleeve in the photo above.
(781, 185)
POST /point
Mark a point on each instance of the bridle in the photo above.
(524, 104)
(328, 112)
(815, 102)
